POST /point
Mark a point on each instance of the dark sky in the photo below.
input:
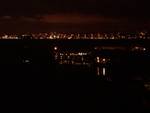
(60, 15)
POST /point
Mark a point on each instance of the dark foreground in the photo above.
(26, 88)
(32, 82)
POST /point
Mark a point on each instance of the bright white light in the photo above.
(104, 71)
(144, 49)
(80, 54)
(104, 60)
(55, 48)
(50, 37)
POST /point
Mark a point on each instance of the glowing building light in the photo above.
(61, 57)
(26, 61)
(68, 57)
(104, 60)
(82, 58)
(136, 47)
(98, 59)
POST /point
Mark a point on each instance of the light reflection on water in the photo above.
(98, 71)
(81, 59)
(101, 71)
(104, 71)
(98, 64)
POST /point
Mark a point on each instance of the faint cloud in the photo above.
(73, 18)
(7, 17)
(30, 19)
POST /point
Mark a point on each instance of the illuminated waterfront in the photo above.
(75, 76)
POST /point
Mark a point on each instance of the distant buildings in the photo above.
(54, 35)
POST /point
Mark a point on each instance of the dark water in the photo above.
(31, 80)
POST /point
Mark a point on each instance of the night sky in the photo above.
(22, 16)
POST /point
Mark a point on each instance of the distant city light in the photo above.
(82, 58)
(98, 59)
(55, 48)
(26, 61)
(104, 59)
(144, 49)
(61, 57)
(68, 57)
(54, 35)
